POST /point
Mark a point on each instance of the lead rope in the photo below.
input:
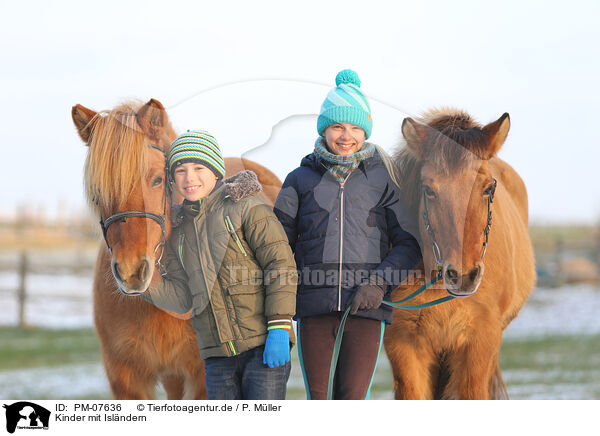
(397, 305)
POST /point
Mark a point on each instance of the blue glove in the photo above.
(277, 348)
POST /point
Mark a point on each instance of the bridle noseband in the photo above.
(160, 219)
(436, 249)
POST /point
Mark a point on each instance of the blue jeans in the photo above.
(245, 377)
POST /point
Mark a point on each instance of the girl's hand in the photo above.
(367, 297)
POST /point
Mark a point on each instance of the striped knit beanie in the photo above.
(346, 104)
(197, 146)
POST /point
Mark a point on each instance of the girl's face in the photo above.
(344, 138)
(194, 181)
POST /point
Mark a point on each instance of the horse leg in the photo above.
(195, 377)
(471, 369)
(127, 383)
(198, 382)
(411, 367)
(497, 386)
(174, 386)
(192, 386)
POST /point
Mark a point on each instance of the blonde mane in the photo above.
(116, 158)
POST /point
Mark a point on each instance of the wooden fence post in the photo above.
(21, 291)
(596, 249)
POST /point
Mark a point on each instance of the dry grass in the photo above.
(18, 238)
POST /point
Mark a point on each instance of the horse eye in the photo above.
(488, 190)
(157, 181)
(430, 193)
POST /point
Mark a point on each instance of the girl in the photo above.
(346, 225)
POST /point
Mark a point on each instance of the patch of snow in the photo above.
(567, 310)
(69, 381)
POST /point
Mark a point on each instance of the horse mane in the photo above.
(116, 158)
(456, 140)
(408, 170)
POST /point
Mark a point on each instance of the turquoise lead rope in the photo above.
(397, 305)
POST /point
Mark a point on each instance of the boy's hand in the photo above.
(277, 348)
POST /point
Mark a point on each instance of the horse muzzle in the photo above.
(133, 280)
(462, 285)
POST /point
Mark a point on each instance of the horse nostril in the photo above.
(144, 270)
(452, 275)
(117, 273)
(474, 273)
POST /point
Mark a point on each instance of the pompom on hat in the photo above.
(346, 104)
(197, 146)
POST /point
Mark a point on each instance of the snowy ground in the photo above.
(70, 381)
(89, 381)
(558, 311)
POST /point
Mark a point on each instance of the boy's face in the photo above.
(344, 138)
(194, 181)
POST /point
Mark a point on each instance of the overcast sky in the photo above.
(239, 69)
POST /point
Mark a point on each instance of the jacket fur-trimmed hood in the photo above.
(236, 187)
(241, 185)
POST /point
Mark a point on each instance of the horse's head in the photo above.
(125, 173)
(454, 188)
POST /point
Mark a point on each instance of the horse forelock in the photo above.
(117, 157)
(457, 140)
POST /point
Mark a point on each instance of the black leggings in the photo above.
(357, 360)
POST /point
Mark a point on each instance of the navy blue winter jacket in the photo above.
(351, 230)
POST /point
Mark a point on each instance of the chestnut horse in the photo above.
(125, 171)
(447, 172)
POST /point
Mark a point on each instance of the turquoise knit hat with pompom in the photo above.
(346, 104)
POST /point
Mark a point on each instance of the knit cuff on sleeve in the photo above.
(279, 322)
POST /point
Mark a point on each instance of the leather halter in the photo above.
(436, 249)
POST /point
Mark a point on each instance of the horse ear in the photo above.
(152, 117)
(84, 120)
(496, 132)
(415, 134)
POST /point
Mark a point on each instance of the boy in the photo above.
(229, 260)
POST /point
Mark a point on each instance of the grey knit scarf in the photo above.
(341, 166)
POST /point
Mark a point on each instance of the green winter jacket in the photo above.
(232, 264)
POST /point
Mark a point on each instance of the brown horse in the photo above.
(125, 171)
(446, 173)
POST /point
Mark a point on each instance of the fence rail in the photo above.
(560, 259)
(25, 266)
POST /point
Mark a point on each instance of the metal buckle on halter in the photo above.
(438, 259)
(161, 269)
